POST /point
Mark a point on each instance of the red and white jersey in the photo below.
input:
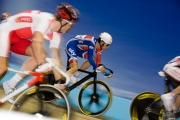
(24, 24)
(176, 59)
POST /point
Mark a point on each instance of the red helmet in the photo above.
(68, 12)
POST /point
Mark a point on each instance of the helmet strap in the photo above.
(61, 26)
(101, 45)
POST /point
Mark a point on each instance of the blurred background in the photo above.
(145, 37)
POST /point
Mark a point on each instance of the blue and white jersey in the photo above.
(83, 46)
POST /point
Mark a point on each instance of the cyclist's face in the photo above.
(105, 46)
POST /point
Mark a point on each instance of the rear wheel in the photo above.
(147, 106)
(46, 100)
(94, 103)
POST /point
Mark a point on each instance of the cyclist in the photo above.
(83, 46)
(171, 100)
(25, 33)
(5, 15)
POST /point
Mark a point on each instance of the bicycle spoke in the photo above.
(87, 104)
(102, 95)
(100, 105)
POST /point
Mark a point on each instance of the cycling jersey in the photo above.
(19, 45)
(176, 59)
(172, 68)
(83, 46)
(24, 24)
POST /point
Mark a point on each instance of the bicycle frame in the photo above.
(38, 78)
(148, 109)
(33, 81)
(87, 77)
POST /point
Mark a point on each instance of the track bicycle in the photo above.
(148, 105)
(95, 96)
(39, 99)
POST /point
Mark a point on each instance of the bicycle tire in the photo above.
(144, 101)
(46, 107)
(103, 90)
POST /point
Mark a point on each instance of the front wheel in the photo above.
(94, 103)
(46, 100)
(147, 106)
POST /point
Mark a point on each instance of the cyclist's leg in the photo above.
(168, 99)
(4, 51)
(3, 65)
(21, 46)
(176, 104)
(84, 66)
(72, 58)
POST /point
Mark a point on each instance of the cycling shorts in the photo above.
(18, 45)
(73, 52)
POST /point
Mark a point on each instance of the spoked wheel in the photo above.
(45, 100)
(94, 103)
(147, 106)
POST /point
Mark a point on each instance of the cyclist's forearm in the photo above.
(37, 47)
(56, 55)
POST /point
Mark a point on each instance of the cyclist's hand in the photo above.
(60, 86)
(100, 69)
(107, 74)
(45, 67)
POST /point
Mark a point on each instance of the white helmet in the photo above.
(106, 37)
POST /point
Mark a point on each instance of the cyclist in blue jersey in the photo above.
(84, 46)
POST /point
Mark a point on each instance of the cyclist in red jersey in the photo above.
(24, 34)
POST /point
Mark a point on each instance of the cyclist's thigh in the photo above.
(19, 45)
(82, 54)
(71, 52)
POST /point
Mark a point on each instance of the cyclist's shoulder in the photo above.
(84, 37)
(53, 36)
(35, 14)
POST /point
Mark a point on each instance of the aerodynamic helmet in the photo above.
(106, 38)
(68, 12)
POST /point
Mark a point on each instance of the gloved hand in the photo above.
(45, 67)
(60, 86)
(100, 69)
(107, 74)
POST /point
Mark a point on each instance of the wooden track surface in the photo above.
(75, 114)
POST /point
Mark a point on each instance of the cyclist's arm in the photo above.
(55, 53)
(37, 47)
(90, 57)
(98, 57)
(54, 46)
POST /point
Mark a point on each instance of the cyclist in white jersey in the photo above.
(38, 26)
(172, 100)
